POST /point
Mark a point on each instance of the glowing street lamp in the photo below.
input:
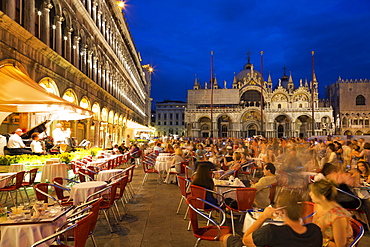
(121, 4)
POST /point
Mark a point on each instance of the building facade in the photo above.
(169, 118)
(349, 99)
(285, 111)
(82, 51)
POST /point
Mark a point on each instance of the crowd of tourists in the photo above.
(312, 168)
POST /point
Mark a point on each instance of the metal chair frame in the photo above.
(208, 218)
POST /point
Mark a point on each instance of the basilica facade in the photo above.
(254, 106)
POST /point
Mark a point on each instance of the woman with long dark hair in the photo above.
(203, 179)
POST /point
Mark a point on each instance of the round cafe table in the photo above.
(163, 165)
(28, 234)
(53, 170)
(17, 168)
(81, 191)
(107, 174)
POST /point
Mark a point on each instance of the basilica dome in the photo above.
(247, 73)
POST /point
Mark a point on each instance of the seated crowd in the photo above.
(292, 164)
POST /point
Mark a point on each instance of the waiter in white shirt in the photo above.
(16, 145)
(59, 135)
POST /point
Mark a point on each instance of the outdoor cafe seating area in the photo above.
(119, 201)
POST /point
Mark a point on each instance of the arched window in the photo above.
(279, 106)
(300, 105)
(360, 100)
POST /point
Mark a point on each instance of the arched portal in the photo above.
(205, 126)
(223, 125)
(304, 124)
(252, 130)
(282, 125)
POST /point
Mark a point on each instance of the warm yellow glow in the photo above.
(121, 4)
(84, 103)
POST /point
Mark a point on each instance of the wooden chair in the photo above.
(32, 176)
(14, 188)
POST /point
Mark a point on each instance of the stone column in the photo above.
(58, 39)
(76, 53)
(69, 45)
(44, 25)
(99, 74)
(29, 16)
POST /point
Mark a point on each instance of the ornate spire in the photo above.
(225, 83)
(300, 83)
(290, 77)
(234, 81)
(314, 77)
(196, 82)
(269, 80)
(249, 56)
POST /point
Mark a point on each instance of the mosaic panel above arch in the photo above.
(279, 97)
(251, 116)
(300, 97)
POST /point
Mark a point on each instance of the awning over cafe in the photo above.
(131, 125)
(19, 93)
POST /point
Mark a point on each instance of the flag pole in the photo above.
(313, 93)
(211, 134)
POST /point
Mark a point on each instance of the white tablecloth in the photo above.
(51, 171)
(17, 168)
(107, 174)
(81, 191)
(163, 164)
(225, 185)
(28, 234)
(6, 181)
(97, 162)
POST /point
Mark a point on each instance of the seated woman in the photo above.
(176, 161)
(169, 149)
(235, 163)
(330, 216)
(203, 179)
(362, 172)
(269, 157)
(291, 233)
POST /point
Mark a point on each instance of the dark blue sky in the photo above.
(176, 37)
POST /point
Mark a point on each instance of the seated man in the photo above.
(291, 233)
(16, 145)
(262, 199)
(158, 148)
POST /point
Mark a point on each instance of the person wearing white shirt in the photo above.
(16, 145)
(36, 146)
(158, 148)
(59, 135)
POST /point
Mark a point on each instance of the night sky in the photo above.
(176, 37)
